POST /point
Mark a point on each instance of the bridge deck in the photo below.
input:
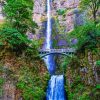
(68, 50)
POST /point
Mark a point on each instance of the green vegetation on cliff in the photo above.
(82, 70)
(82, 73)
(22, 68)
(19, 58)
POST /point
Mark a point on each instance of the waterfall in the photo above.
(55, 89)
(49, 60)
(48, 37)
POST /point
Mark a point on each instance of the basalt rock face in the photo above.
(65, 12)
(69, 19)
(39, 10)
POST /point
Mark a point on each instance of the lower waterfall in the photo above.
(55, 89)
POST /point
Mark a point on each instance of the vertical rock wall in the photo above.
(72, 15)
(70, 19)
(39, 10)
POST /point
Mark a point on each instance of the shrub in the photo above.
(11, 38)
(61, 11)
(19, 14)
(86, 35)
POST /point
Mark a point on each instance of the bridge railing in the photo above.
(57, 50)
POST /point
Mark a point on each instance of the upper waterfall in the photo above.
(49, 60)
(48, 35)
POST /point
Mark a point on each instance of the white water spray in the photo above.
(49, 59)
(55, 89)
(48, 38)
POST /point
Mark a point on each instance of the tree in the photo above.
(19, 14)
(94, 6)
(86, 35)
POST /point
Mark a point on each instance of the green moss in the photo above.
(1, 86)
(61, 11)
(31, 84)
(98, 63)
(1, 81)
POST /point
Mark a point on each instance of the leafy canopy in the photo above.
(19, 14)
(87, 36)
(94, 6)
(11, 38)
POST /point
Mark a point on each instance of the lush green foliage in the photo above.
(61, 11)
(80, 67)
(28, 72)
(1, 81)
(77, 86)
(1, 86)
(28, 79)
(21, 53)
(19, 15)
(78, 92)
(19, 20)
(93, 6)
(86, 35)
(98, 63)
(12, 38)
(82, 92)
(31, 85)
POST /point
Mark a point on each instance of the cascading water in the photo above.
(48, 45)
(55, 89)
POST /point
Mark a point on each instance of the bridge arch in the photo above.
(55, 53)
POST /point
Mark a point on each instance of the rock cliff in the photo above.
(69, 17)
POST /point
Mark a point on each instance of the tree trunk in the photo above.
(94, 16)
